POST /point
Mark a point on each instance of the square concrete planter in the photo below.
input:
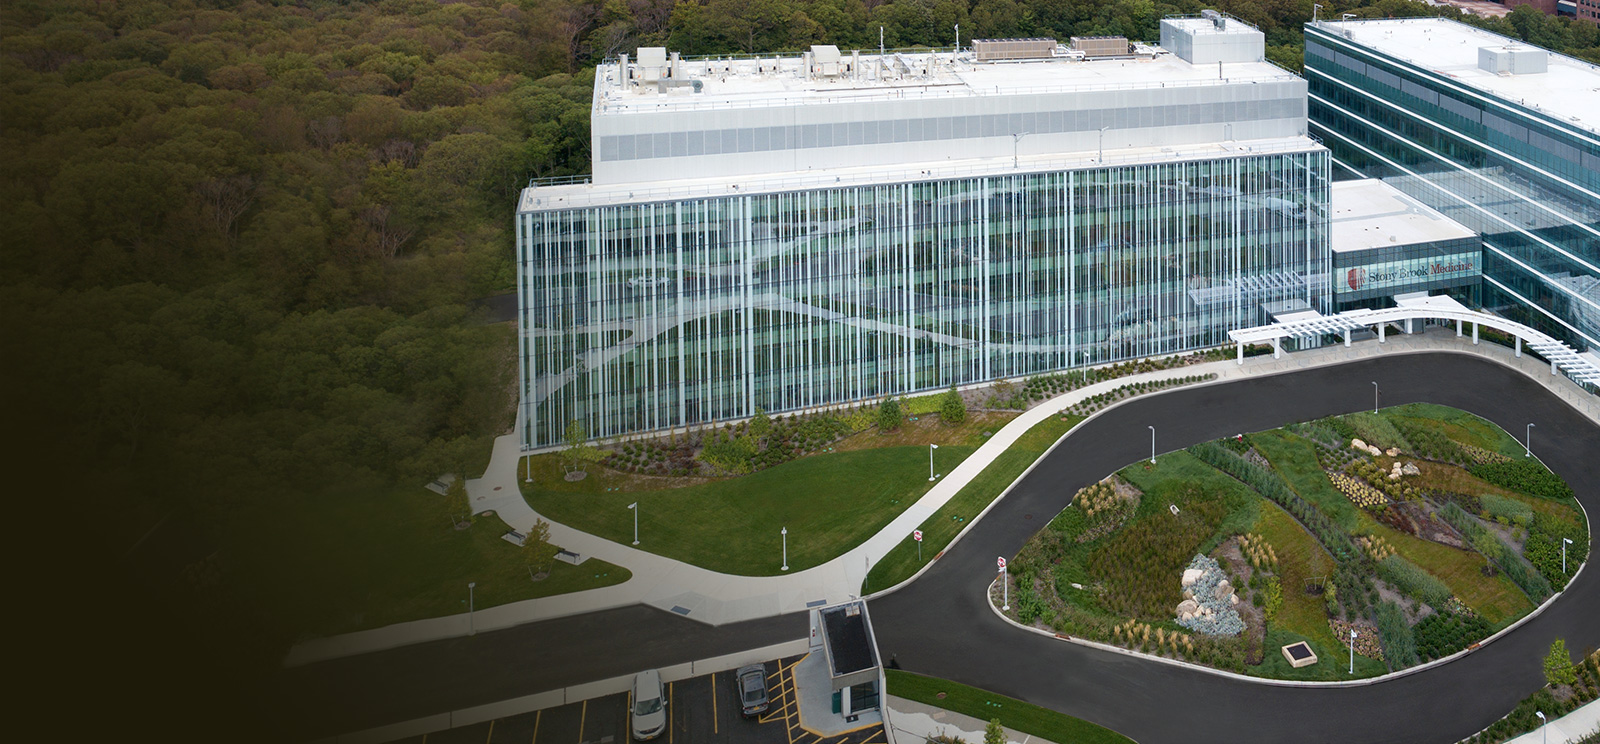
(1299, 654)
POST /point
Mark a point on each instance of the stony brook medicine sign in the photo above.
(1396, 274)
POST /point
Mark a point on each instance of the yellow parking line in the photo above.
(714, 702)
(582, 714)
(536, 716)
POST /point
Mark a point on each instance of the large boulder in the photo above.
(1358, 444)
(1187, 609)
(1223, 589)
(1191, 575)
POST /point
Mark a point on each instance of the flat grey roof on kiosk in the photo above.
(1368, 213)
(1569, 90)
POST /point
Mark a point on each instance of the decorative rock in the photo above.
(1391, 452)
(1394, 476)
(1187, 608)
(1191, 575)
(1223, 589)
(1411, 469)
(1358, 444)
(1374, 451)
(1233, 599)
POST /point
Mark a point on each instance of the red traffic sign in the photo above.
(1002, 562)
(916, 535)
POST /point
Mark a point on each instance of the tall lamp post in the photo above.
(1374, 396)
(1314, 8)
(470, 602)
(634, 507)
(1527, 441)
(931, 476)
(1543, 725)
(1565, 541)
(527, 465)
(1152, 445)
(1352, 650)
(785, 533)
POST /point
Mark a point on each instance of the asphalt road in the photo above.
(940, 626)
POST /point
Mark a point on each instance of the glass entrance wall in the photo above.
(647, 316)
(1529, 182)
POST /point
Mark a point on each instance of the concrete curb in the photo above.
(1535, 612)
(555, 698)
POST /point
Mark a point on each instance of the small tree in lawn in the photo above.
(994, 733)
(889, 415)
(953, 409)
(455, 503)
(572, 456)
(537, 550)
(1558, 665)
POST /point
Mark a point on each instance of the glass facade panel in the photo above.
(1526, 181)
(640, 317)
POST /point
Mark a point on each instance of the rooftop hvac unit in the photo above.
(991, 50)
(1216, 18)
(1513, 60)
(652, 63)
(826, 59)
(1101, 46)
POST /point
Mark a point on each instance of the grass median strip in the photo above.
(938, 530)
(1012, 713)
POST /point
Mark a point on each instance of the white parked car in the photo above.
(649, 705)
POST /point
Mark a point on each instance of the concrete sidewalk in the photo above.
(915, 722)
(1571, 727)
(716, 598)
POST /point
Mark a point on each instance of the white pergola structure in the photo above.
(1411, 309)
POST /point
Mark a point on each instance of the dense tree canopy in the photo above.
(244, 239)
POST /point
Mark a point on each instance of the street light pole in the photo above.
(1314, 8)
(1527, 441)
(931, 476)
(1352, 650)
(470, 603)
(634, 507)
(1374, 396)
(785, 533)
(527, 466)
(1543, 725)
(1152, 445)
(1565, 541)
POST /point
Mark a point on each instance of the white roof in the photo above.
(781, 82)
(1200, 26)
(1369, 213)
(1569, 90)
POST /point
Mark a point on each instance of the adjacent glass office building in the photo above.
(1495, 134)
(693, 287)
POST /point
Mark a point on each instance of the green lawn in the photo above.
(938, 530)
(1333, 660)
(1177, 470)
(1496, 599)
(1460, 426)
(985, 706)
(1300, 557)
(335, 564)
(1296, 460)
(830, 503)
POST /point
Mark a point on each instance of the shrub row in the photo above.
(1399, 645)
(1518, 570)
(1527, 476)
(1444, 633)
(1271, 485)
(1415, 582)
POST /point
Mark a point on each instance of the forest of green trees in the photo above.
(244, 240)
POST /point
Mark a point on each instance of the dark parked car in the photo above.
(753, 689)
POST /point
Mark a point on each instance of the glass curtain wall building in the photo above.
(1495, 134)
(653, 304)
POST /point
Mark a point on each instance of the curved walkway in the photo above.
(939, 625)
(718, 599)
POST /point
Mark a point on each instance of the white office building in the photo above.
(787, 232)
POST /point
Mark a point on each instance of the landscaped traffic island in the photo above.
(1421, 530)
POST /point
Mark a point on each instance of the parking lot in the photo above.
(701, 709)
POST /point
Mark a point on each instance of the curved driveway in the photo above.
(939, 624)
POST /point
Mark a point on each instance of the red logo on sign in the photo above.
(1353, 278)
(1002, 562)
(916, 535)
